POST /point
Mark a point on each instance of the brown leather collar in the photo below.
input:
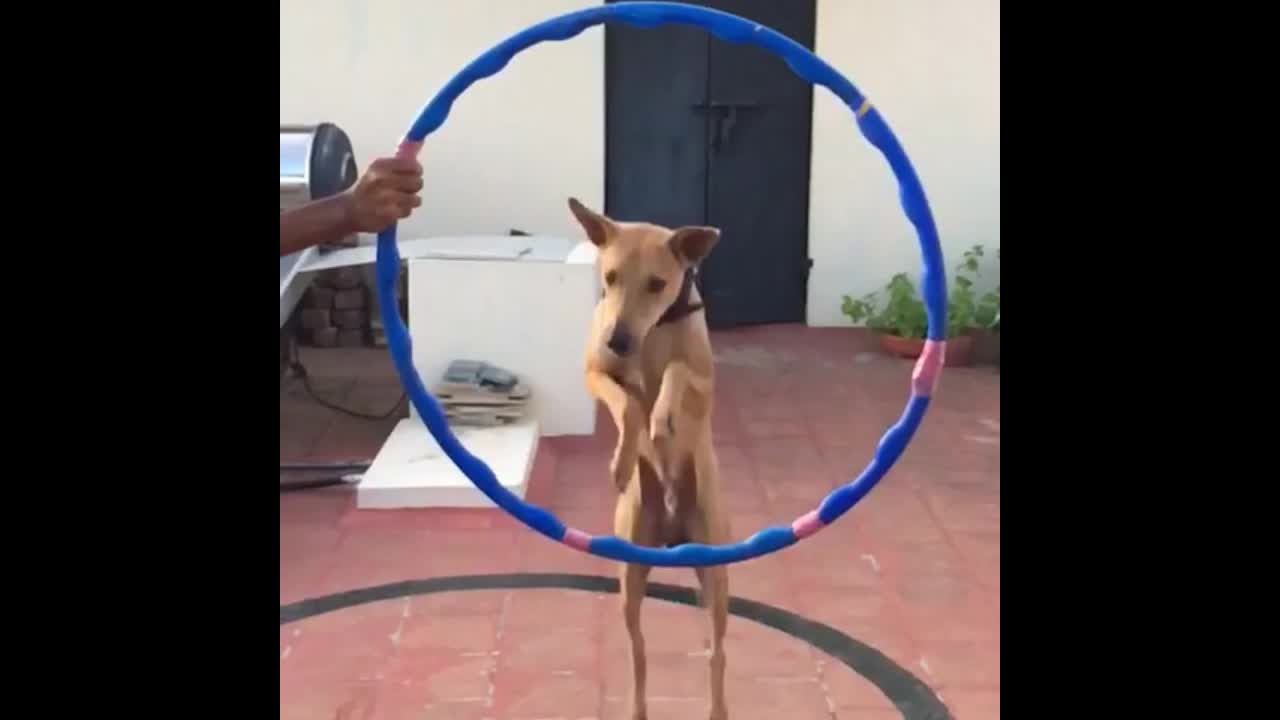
(682, 308)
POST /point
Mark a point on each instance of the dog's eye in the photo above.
(610, 278)
(656, 284)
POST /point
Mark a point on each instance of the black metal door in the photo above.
(701, 131)
(656, 144)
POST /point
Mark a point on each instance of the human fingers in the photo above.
(399, 165)
(405, 183)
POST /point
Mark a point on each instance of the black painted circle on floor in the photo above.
(912, 697)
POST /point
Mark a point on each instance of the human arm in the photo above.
(387, 192)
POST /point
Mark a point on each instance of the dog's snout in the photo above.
(619, 341)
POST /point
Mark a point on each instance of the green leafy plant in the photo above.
(987, 313)
(898, 309)
(902, 314)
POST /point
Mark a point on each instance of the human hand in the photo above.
(387, 192)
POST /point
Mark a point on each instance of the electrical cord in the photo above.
(354, 470)
(334, 466)
(298, 370)
(313, 484)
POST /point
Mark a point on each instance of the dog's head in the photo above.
(642, 267)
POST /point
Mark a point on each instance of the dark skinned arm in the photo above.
(316, 223)
(387, 192)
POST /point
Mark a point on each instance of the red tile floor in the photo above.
(913, 570)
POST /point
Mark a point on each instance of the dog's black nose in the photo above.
(619, 342)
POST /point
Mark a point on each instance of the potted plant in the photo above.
(986, 326)
(896, 315)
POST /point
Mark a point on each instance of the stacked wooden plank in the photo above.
(477, 394)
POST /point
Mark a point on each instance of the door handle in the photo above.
(724, 117)
(726, 126)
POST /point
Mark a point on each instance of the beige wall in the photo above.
(932, 67)
(516, 144)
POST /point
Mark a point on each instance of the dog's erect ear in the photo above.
(692, 244)
(598, 227)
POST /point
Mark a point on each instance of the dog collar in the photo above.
(682, 308)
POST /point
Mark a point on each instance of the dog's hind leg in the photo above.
(638, 518)
(708, 526)
(714, 582)
(633, 581)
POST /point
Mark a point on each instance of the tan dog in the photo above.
(649, 361)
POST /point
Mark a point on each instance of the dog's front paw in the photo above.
(623, 464)
(662, 428)
(662, 433)
(627, 452)
(663, 425)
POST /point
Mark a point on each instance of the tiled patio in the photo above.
(913, 570)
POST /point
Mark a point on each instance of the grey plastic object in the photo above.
(481, 375)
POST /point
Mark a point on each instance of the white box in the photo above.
(526, 307)
(521, 303)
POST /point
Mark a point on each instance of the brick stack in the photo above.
(335, 311)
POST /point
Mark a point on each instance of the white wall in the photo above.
(932, 68)
(516, 144)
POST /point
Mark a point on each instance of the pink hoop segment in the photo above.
(807, 524)
(577, 539)
(924, 379)
(803, 527)
(408, 148)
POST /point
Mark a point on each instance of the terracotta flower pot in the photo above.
(959, 351)
(900, 346)
(986, 346)
(959, 348)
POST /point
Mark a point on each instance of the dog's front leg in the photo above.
(628, 416)
(682, 403)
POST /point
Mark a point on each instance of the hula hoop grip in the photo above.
(924, 379)
(807, 524)
(577, 539)
(409, 148)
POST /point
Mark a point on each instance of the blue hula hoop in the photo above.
(933, 281)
